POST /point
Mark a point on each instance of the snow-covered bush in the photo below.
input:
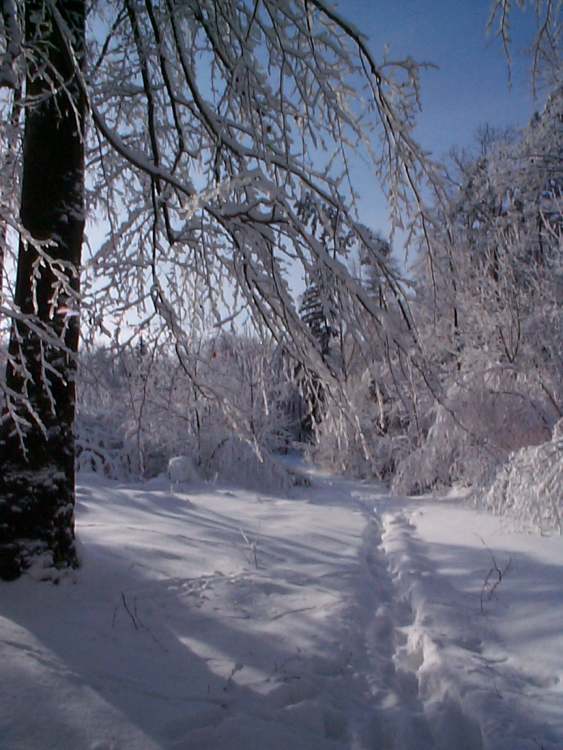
(481, 420)
(235, 460)
(182, 469)
(529, 486)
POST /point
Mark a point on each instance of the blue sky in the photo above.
(470, 86)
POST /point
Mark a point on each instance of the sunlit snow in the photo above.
(334, 617)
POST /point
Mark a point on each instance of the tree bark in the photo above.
(37, 484)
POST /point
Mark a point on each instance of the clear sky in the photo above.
(470, 87)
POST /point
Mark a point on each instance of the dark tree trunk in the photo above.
(9, 79)
(37, 431)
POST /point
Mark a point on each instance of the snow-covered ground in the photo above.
(218, 618)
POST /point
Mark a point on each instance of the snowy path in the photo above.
(487, 630)
(227, 619)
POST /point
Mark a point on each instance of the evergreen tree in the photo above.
(319, 314)
(377, 262)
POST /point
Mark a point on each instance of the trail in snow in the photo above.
(488, 647)
(220, 618)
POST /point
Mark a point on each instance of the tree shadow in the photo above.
(134, 656)
(470, 611)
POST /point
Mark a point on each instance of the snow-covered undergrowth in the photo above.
(529, 486)
(470, 436)
(238, 461)
(329, 618)
(138, 409)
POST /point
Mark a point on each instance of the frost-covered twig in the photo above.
(252, 547)
(494, 577)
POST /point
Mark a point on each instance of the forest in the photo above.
(210, 160)
(192, 303)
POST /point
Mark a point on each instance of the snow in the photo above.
(332, 617)
(182, 469)
(491, 645)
